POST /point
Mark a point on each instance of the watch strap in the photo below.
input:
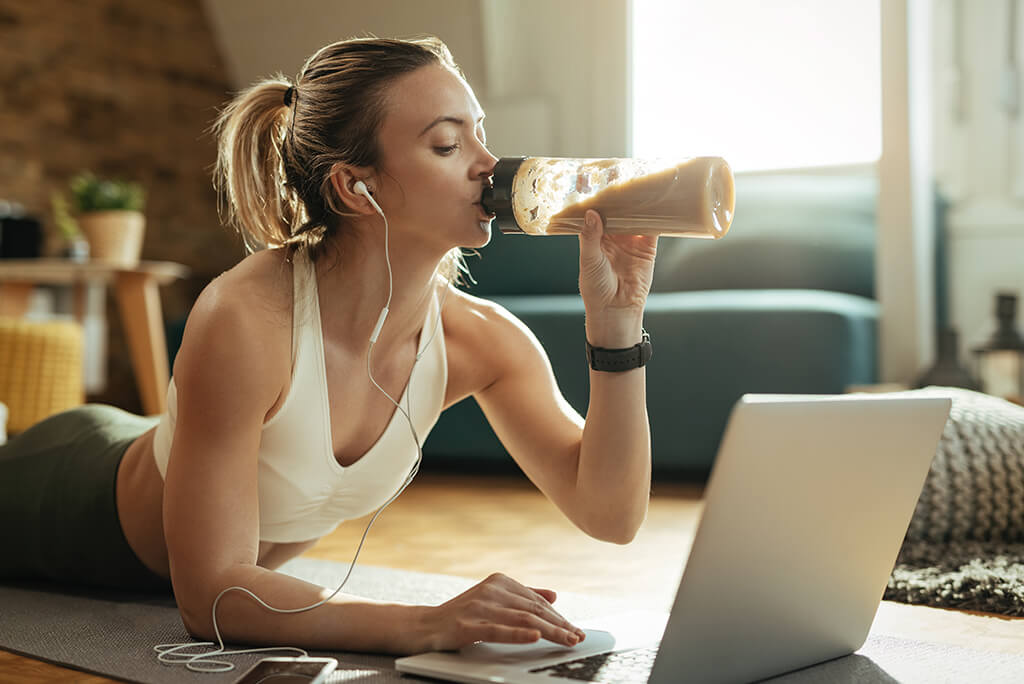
(620, 360)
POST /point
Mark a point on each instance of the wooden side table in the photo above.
(138, 301)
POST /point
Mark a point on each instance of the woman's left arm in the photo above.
(615, 456)
(597, 471)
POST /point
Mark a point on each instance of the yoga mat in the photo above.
(114, 634)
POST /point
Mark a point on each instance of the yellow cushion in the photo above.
(40, 369)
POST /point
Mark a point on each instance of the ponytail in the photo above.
(249, 174)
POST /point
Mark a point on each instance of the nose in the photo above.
(492, 161)
(487, 163)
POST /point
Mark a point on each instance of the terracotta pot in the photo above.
(115, 237)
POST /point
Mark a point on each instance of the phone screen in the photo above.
(285, 671)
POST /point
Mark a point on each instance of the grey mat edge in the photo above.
(883, 659)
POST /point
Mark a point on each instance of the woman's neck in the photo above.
(353, 287)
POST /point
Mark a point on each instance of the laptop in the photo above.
(805, 511)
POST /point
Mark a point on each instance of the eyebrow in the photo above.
(451, 119)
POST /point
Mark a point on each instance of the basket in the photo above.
(41, 371)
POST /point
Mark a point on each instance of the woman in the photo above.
(362, 183)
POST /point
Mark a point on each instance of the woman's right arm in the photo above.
(227, 379)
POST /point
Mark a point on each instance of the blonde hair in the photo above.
(274, 160)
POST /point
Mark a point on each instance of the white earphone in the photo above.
(359, 187)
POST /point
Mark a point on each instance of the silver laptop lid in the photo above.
(806, 508)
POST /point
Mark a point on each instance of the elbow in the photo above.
(198, 631)
(195, 606)
(196, 619)
(622, 536)
(196, 590)
(616, 530)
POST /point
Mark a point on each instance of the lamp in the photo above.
(1000, 361)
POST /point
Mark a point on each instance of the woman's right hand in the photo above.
(499, 609)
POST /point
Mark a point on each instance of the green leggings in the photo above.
(58, 510)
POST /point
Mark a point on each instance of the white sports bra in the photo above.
(304, 493)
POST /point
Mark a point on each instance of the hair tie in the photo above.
(288, 96)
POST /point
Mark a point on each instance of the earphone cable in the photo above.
(204, 662)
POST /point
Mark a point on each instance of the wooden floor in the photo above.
(473, 526)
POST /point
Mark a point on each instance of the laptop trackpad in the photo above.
(597, 641)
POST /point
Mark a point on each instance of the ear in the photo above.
(343, 177)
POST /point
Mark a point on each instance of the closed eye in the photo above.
(447, 150)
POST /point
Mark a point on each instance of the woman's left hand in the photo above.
(615, 270)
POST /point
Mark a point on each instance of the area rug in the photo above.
(966, 575)
(113, 634)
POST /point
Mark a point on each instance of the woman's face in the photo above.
(433, 159)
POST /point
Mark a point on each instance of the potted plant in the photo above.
(76, 247)
(110, 216)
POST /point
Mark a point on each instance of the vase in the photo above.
(115, 236)
(947, 371)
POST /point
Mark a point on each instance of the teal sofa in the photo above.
(783, 304)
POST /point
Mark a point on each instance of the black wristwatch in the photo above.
(618, 360)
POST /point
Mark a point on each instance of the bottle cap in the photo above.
(497, 198)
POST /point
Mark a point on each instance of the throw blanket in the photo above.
(975, 488)
(965, 545)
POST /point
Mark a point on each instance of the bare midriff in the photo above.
(140, 495)
(140, 492)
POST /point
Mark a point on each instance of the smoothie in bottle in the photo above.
(549, 196)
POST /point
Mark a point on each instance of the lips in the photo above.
(484, 214)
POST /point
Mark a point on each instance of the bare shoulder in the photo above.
(481, 321)
(485, 337)
(260, 284)
(243, 315)
(256, 291)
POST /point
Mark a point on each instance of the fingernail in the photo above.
(589, 219)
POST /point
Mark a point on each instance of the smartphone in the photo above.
(288, 670)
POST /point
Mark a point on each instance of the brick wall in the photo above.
(128, 89)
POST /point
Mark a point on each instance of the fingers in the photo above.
(521, 620)
(516, 605)
(543, 610)
(598, 281)
(556, 629)
(526, 599)
(590, 238)
(485, 621)
(473, 631)
(548, 595)
(501, 610)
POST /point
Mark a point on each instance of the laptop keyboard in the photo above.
(618, 667)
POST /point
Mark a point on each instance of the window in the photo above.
(766, 85)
